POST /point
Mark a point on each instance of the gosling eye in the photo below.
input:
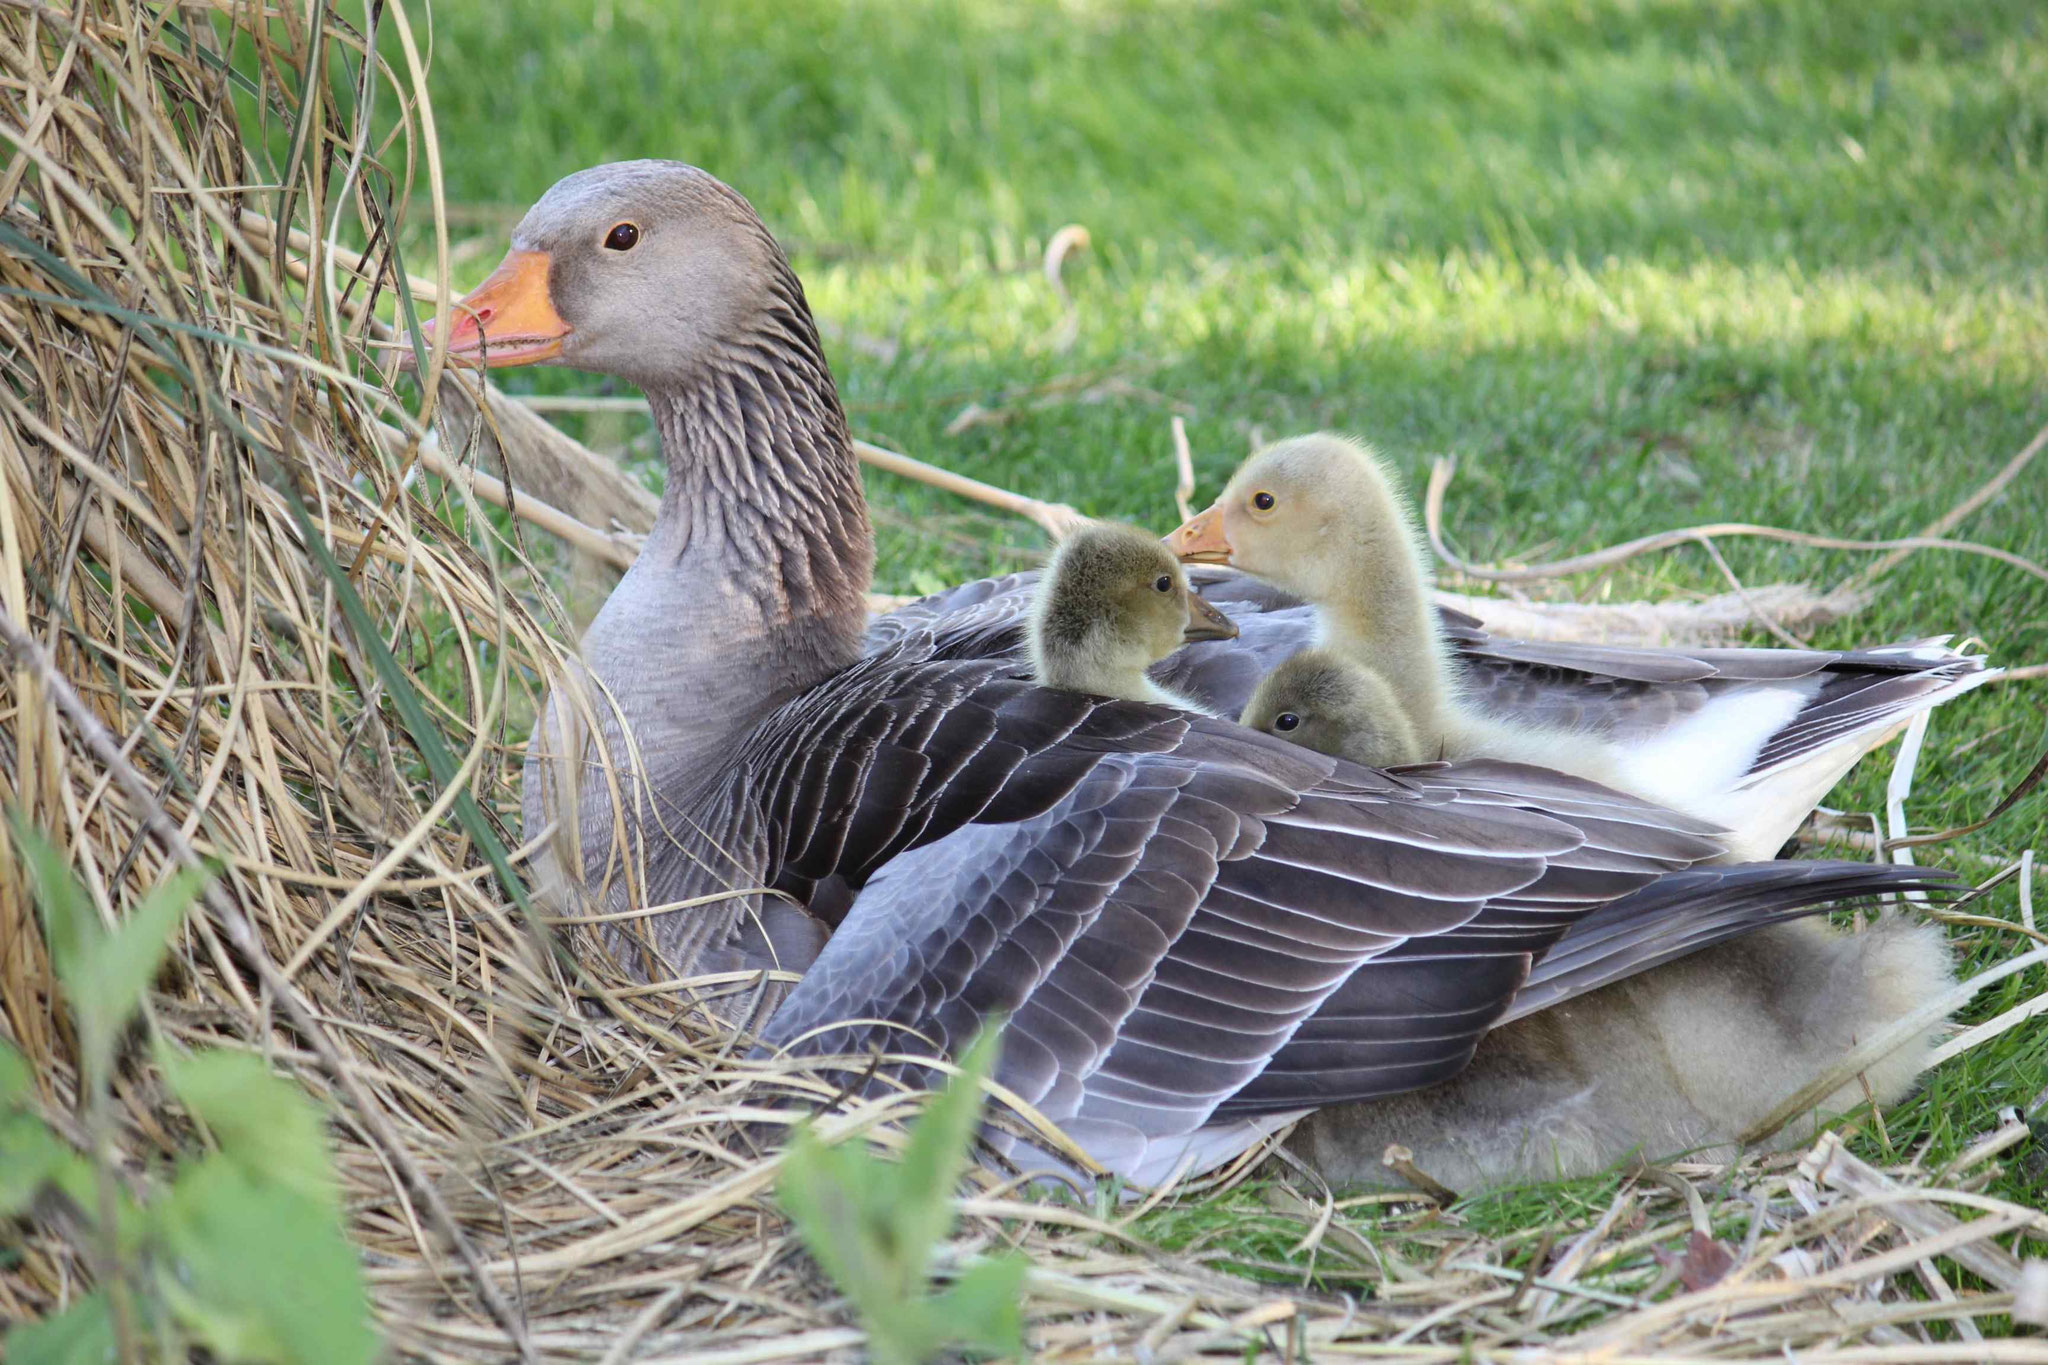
(1163, 583)
(1263, 500)
(1286, 721)
(622, 237)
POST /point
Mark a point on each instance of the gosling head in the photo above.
(1314, 515)
(1325, 702)
(1112, 603)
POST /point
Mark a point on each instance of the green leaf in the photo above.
(872, 1226)
(259, 1268)
(82, 1334)
(104, 974)
(984, 1308)
(124, 962)
(821, 1188)
(30, 1157)
(15, 1076)
(256, 1271)
(936, 1154)
(265, 1124)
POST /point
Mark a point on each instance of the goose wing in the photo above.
(1787, 704)
(1160, 902)
(1195, 930)
(1680, 914)
(1000, 601)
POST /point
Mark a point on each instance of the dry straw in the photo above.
(241, 626)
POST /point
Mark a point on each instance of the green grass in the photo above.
(1638, 264)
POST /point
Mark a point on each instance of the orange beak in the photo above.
(509, 319)
(1200, 540)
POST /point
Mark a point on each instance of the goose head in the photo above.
(1328, 703)
(1112, 603)
(751, 585)
(639, 269)
(1316, 515)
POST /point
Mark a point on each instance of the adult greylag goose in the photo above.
(1113, 602)
(1194, 930)
(1752, 750)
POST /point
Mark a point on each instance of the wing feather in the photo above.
(1190, 926)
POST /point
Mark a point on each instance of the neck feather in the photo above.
(750, 590)
(1386, 619)
(752, 585)
(764, 495)
(1088, 667)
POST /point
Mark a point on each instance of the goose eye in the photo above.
(622, 237)
(1263, 500)
(1163, 583)
(1286, 721)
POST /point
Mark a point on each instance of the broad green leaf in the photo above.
(984, 1308)
(264, 1123)
(82, 1334)
(227, 1332)
(257, 1271)
(821, 1188)
(14, 1076)
(30, 1157)
(120, 965)
(936, 1154)
(104, 974)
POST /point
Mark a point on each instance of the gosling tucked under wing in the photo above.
(1223, 884)
(1687, 1058)
(1631, 697)
(1113, 602)
(1335, 705)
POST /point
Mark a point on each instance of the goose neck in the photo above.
(1388, 622)
(752, 584)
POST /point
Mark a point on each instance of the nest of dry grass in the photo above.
(243, 627)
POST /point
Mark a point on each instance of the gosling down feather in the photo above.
(1322, 517)
(1682, 1060)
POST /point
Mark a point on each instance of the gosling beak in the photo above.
(1207, 623)
(509, 319)
(1200, 540)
